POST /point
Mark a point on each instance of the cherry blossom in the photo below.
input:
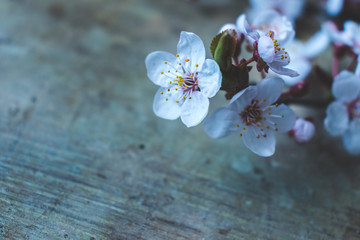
(252, 115)
(186, 80)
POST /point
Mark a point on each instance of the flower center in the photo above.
(251, 114)
(259, 119)
(182, 79)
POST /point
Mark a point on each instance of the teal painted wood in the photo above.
(84, 157)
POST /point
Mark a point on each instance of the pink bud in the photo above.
(303, 130)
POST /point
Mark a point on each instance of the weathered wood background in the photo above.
(84, 157)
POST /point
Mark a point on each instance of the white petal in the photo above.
(275, 67)
(283, 116)
(246, 29)
(337, 119)
(266, 49)
(263, 146)
(240, 100)
(209, 78)
(167, 109)
(155, 66)
(333, 7)
(346, 86)
(191, 47)
(194, 110)
(351, 138)
(222, 123)
(270, 89)
(302, 66)
(316, 44)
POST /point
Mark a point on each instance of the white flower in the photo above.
(303, 130)
(334, 7)
(268, 21)
(186, 80)
(350, 36)
(289, 8)
(270, 50)
(251, 115)
(343, 115)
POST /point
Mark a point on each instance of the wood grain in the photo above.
(84, 157)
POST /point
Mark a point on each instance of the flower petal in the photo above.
(266, 49)
(351, 138)
(337, 119)
(167, 109)
(316, 44)
(240, 100)
(301, 66)
(191, 50)
(269, 90)
(263, 146)
(282, 117)
(346, 86)
(334, 7)
(222, 123)
(194, 110)
(157, 69)
(246, 29)
(275, 67)
(209, 78)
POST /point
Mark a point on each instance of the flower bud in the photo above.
(303, 130)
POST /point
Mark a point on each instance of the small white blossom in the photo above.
(251, 115)
(343, 115)
(186, 80)
(268, 21)
(270, 50)
(303, 130)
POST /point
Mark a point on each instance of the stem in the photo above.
(250, 60)
(314, 103)
(335, 66)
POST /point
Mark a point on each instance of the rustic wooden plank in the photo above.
(83, 156)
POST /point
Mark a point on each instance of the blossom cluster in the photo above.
(259, 109)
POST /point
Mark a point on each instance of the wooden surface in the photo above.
(84, 157)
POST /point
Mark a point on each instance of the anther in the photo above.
(237, 125)
(244, 128)
(264, 135)
(240, 134)
(166, 99)
(177, 55)
(168, 89)
(258, 136)
(161, 93)
(162, 72)
(177, 101)
(197, 65)
(187, 60)
(269, 113)
(264, 99)
(189, 97)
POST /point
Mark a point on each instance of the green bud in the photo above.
(223, 48)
